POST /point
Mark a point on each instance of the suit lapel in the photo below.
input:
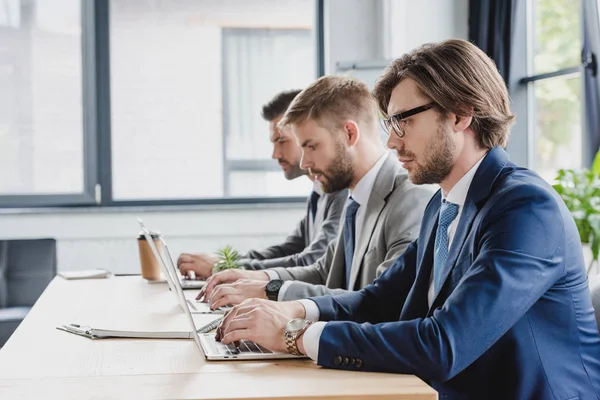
(418, 295)
(337, 274)
(308, 226)
(383, 186)
(319, 216)
(481, 186)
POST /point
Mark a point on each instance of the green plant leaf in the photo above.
(227, 258)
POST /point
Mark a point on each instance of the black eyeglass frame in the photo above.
(395, 121)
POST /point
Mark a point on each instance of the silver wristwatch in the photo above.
(293, 330)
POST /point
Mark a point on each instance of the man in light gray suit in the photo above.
(335, 121)
(319, 226)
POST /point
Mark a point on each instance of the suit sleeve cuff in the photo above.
(311, 308)
(282, 289)
(311, 339)
(272, 274)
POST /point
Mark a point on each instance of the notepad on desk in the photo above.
(97, 333)
(100, 333)
(85, 274)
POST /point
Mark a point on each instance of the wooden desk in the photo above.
(40, 361)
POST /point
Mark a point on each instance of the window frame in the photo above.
(96, 106)
(521, 144)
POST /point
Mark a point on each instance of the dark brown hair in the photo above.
(278, 104)
(460, 79)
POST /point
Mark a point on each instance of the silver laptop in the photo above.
(246, 350)
(170, 271)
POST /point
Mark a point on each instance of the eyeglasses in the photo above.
(397, 122)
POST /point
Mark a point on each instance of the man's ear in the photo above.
(462, 122)
(351, 132)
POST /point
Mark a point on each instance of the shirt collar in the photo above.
(363, 188)
(317, 187)
(458, 193)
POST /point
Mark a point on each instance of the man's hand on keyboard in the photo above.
(229, 276)
(261, 321)
(236, 292)
(200, 265)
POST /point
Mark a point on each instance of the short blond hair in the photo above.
(460, 79)
(330, 101)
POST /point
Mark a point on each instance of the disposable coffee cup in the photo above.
(149, 264)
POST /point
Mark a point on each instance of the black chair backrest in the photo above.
(26, 268)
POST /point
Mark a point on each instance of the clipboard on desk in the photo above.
(97, 333)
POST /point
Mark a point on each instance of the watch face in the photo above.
(295, 325)
(274, 285)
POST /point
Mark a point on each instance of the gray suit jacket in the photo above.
(391, 222)
(304, 246)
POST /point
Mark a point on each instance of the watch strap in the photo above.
(291, 340)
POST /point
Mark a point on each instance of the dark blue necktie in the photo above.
(314, 199)
(448, 212)
(349, 235)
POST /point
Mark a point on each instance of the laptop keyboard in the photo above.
(245, 347)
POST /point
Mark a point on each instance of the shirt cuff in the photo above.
(311, 308)
(311, 339)
(272, 274)
(283, 289)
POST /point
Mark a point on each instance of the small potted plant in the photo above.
(580, 190)
(227, 258)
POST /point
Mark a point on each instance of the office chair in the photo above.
(26, 268)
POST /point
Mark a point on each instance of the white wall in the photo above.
(356, 30)
(107, 239)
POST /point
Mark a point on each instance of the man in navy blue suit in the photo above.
(492, 300)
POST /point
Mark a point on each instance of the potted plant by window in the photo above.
(580, 190)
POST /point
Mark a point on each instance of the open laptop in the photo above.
(217, 351)
(170, 271)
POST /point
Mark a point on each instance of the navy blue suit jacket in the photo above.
(513, 319)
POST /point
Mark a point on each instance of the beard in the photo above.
(438, 161)
(293, 172)
(340, 172)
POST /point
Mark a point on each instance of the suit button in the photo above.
(359, 363)
(345, 361)
(337, 360)
(352, 361)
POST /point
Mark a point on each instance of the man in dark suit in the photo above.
(492, 300)
(319, 226)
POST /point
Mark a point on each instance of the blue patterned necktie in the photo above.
(349, 235)
(314, 198)
(448, 212)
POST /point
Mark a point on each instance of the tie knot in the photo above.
(448, 212)
(351, 207)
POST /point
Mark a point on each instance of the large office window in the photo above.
(556, 107)
(41, 118)
(135, 102)
(253, 70)
(188, 79)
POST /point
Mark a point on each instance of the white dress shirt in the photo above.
(360, 194)
(457, 195)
